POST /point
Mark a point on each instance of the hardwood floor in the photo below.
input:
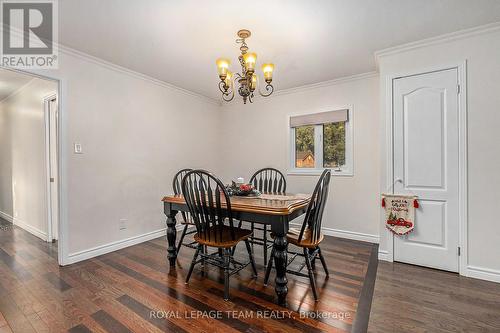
(416, 299)
(133, 290)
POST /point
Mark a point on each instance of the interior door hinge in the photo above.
(459, 251)
(458, 89)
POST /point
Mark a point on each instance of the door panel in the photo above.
(431, 224)
(426, 146)
(423, 126)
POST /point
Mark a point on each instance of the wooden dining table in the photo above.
(275, 210)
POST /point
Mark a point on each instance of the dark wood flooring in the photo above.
(117, 292)
(416, 299)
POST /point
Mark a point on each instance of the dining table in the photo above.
(276, 210)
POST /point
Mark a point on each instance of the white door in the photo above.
(426, 148)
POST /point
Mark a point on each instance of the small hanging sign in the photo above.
(400, 212)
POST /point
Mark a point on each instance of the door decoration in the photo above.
(400, 212)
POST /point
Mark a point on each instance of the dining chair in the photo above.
(309, 237)
(267, 180)
(186, 218)
(210, 208)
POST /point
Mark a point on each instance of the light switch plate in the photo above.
(122, 224)
(78, 148)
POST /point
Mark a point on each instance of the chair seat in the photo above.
(293, 238)
(188, 222)
(226, 240)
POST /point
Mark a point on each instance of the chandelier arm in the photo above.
(228, 97)
(227, 94)
(222, 87)
(269, 89)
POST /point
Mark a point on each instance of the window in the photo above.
(321, 140)
(304, 147)
(334, 145)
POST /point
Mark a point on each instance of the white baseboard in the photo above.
(483, 273)
(471, 271)
(351, 235)
(113, 246)
(346, 234)
(21, 224)
(32, 230)
(6, 217)
(383, 255)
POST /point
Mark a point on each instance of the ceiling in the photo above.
(11, 81)
(309, 41)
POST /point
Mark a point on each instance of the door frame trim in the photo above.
(50, 213)
(462, 154)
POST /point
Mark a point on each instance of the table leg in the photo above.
(280, 247)
(171, 234)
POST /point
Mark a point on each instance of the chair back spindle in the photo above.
(177, 182)
(176, 186)
(269, 180)
(208, 203)
(314, 213)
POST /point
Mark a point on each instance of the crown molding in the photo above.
(117, 68)
(453, 36)
(308, 87)
(340, 80)
(17, 91)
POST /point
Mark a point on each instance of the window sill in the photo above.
(318, 172)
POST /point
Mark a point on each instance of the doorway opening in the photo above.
(29, 175)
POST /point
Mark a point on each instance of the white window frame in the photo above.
(346, 170)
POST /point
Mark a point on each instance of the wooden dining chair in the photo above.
(186, 217)
(210, 208)
(309, 237)
(267, 180)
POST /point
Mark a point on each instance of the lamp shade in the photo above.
(222, 67)
(250, 60)
(268, 69)
(227, 80)
(253, 83)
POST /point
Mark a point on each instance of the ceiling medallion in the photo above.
(248, 80)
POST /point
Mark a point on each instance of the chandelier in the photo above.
(247, 81)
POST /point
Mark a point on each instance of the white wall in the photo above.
(135, 133)
(256, 136)
(482, 52)
(23, 156)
